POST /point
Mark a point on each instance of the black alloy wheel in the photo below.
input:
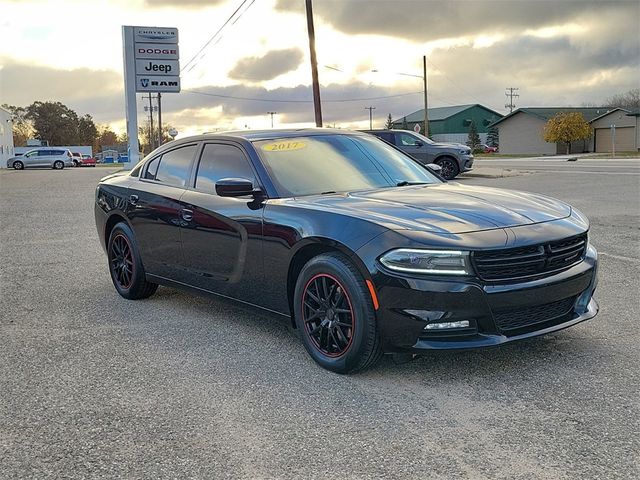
(334, 314)
(121, 261)
(327, 315)
(18, 165)
(449, 166)
(58, 165)
(125, 265)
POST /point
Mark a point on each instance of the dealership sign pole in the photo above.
(151, 64)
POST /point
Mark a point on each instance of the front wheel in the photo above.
(18, 165)
(335, 315)
(125, 265)
(450, 169)
(58, 165)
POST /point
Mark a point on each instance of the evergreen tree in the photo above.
(493, 138)
(405, 125)
(389, 124)
(474, 139)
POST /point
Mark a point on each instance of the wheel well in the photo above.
(300, 259)
(111, 222)
(446, 155)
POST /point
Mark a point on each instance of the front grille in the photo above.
(508, 320)
(527, 262)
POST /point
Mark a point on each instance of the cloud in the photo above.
(436, 19)
(267, 67)
(97, 92)
(183, 3)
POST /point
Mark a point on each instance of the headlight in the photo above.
(441, 262)
(465, 152)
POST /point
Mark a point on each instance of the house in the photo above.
(451, 124)
(619, 125)
(522, 131)
(6, 137)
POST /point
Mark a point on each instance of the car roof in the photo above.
(255, 135)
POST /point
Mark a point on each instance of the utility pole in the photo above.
(426, 102)
(159, 119)
(272, 114)
(314, 64)
(511, 95)
(371, 109)
(151, 131)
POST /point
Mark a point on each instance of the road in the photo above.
(177, 386)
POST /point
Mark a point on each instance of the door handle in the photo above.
(133, 199)
(186, 214)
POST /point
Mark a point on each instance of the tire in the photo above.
(343, 336)
(125, 265)
(76, 163)
(58, 165)
(18, 165)
(450, 168)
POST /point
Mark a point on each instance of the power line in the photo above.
(216, 34)
(271, 100)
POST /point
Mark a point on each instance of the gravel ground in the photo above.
(179, 386)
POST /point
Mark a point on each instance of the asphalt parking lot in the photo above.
(179, 386)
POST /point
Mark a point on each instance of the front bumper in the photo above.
(489, 308)
(466, 163)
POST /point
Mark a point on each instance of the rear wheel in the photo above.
(58, 165)
(335, 315)
(449, 166)
(125, 265)
(18, 165)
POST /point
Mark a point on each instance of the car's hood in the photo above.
(443, 208)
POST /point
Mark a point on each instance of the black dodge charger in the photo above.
(367, 251)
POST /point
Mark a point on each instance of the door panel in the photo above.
(407, 143)
(156, 211)
(155, 217)
(222, 236)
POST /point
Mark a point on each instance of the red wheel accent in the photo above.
(328, 315)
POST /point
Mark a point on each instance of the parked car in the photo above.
(454, 158)
(76, 157)
(488, 148)
(56, 158)
(88, 161)
(363, 249)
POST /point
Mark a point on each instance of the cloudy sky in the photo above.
(560, 52)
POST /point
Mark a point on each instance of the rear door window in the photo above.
(44, 153)
(175, 166)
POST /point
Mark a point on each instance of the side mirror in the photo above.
(435, 167)
(418, 143)
(234, 187)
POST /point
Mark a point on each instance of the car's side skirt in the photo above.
(201, 291)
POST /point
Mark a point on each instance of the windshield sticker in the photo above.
(284, 146)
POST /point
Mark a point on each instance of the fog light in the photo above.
(447, 325)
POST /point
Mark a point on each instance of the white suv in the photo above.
(56, 158)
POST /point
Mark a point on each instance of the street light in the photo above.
(424, 83)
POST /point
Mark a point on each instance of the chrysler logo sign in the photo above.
(155, 35)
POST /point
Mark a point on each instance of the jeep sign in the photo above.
(157, 67)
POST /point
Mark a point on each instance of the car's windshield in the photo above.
(337, 163)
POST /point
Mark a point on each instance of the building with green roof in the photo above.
(451, 124)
